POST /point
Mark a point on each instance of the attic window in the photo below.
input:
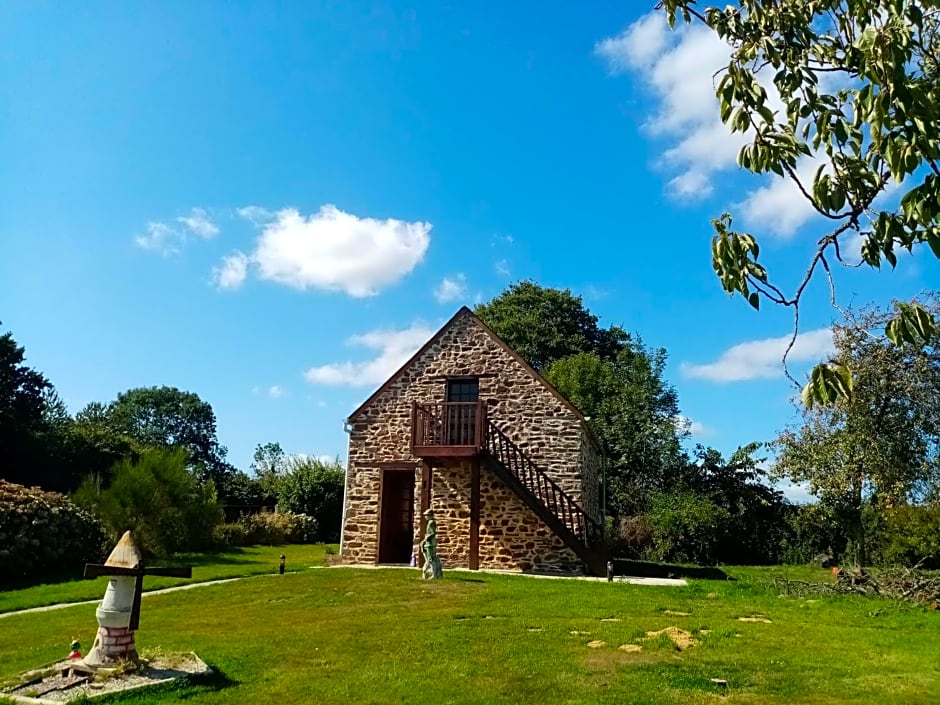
(463, 389)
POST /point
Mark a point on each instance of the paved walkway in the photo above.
(162, 591)
(190, 586)
(671, 582)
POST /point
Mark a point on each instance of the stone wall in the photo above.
(512, 536)
(520, 404)
(450, 500)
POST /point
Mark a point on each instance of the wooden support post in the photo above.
(475, 514)
(426, 479)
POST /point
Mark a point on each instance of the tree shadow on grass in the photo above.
(202, 559)
(646, 569)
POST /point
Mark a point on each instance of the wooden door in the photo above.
(396, 528)
(461, 414)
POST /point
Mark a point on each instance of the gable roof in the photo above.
(461, 313)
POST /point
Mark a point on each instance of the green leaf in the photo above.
(933, 240)
(829, 382)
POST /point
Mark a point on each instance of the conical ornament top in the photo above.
(125, 553)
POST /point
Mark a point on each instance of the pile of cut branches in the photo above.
(906, 584)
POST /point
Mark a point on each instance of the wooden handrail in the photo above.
(543, 487)
(466, 425)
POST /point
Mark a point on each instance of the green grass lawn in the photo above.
(237, 562)
(386, 636)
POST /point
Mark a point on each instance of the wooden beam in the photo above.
(445, 451)
(426, 479)
(475, 515)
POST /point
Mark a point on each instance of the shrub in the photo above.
(230, 535)
(629, 537)
(813, 530)
(911, 535)
(159, 499)
(44, 536)
(274, 529)
(314, 488)
(687, 527)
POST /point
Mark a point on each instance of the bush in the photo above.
(44, 536)
(911, 535)
(813, 530)
(629, 537)
(272, 529)
(233, 535)
(159, 499)
(314, 488)
(687, 527)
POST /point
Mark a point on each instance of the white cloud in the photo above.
(638, 45)
(337, 251)
(502, 240)
(199, 223)
(502, 267)
(255, 214)
(393, 349)
(693, 184)
(231, 272)
(169, 240)
(160, 237)
(680, 69)
(451, 289)
(761, 359)
(780, 206)
(695, 428)
(596, 293)
(276, 391)
(301, 457)
(798, 493)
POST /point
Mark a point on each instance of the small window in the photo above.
(465, 390)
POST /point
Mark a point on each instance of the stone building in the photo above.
(467, 428)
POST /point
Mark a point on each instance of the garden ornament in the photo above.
(432, 564)
(118, 614)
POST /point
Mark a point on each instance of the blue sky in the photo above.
(273, 205)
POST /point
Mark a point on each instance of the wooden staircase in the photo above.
(564, 516)
(450, 431)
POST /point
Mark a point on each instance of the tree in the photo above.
(872, 125)
(171, 418)
(544, 324)
(315, 488)
(94, 446)
(159, 498)
(269, 463)
(613, 378)
(29, 413)
(757, 513)
(880, 447)
(635, 415)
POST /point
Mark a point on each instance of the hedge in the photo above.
(44, 536)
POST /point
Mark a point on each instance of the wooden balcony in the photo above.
(444, 431)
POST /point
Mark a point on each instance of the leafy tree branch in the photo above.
(855, 87)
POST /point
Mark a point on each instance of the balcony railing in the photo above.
(447, 428)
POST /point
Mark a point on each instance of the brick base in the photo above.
(112, 644)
